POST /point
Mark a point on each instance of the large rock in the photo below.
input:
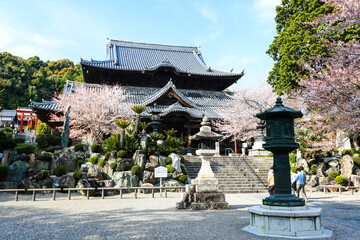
(17, 171)
(5, 161)
(32, 159)
(70, 159)
(56, 162)
(328, 181)
(42, 165)
(125, 179)
(333, 165)
(347, 165)
(154, 160)
(112, 157)
(356, 180)
(171, 183)
(148, 177)
(320, 171)
(108, 171)
(162, 161)
(146, 185)
(124, 164)
(89, 183)
(139, 159)
(67, 180)
(314, 181)
(93, 171)
(176, 161)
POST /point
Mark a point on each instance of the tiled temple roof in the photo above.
(131, 56)
(199, 102)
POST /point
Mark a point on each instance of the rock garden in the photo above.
(123, 159)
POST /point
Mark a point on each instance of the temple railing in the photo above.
(246, 166)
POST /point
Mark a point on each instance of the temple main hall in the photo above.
(173, 78)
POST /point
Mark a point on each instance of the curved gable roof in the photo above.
(131, 56)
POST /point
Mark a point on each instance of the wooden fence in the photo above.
(120, 189)
(341, 188)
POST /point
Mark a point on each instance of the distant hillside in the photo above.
(33, 79)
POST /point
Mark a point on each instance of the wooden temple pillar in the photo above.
(22, 121)
(188, 137)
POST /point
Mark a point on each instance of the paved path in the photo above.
(148, 218)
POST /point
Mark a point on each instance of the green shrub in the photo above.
(292, 158)
(79, 147)
(170, 168)
(107, 155)
(356, 161)
(313, 169)
(183, 169)
(333, 174)
(6, 143)
(45, 174)
(349, 152)
(26, 148)
(96, 148)
(19, 140)
(77, 175)
(47, 140)
(7, 131)
(182, 158)
(118, 159)
(112, 143)
(47, 157)
(135, 170)
(3, 172)
(183, 178)
(80, 162)
(101, 163)
(340, 180)
(293, 168)
(113, 165)
(60, 170)
(168, 160)
(93, 159)
(121, 154)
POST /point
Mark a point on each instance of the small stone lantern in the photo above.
(155, 118)
(280, 140)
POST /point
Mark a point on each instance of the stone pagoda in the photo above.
(204, 192)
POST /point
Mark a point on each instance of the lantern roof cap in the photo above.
(279, 110)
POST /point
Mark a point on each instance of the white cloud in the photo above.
(265, 9)
(206, 12)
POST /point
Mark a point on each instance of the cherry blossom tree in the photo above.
(94, 109)
(238, 120)
(332, 89)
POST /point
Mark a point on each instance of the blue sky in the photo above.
(231, 34)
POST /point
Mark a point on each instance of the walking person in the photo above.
(271, 181)
(293, 182)
(300, 183)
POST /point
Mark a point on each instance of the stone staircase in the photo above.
(232, 175)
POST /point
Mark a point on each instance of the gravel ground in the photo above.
(154, 218)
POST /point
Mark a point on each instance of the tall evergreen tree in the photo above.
(295, 41)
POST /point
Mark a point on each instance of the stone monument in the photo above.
(204, 192)
(257, 148)
(66, 130)
(283, 214)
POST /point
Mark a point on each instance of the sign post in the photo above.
(161, 172)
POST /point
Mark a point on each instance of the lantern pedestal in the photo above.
(287, 222)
